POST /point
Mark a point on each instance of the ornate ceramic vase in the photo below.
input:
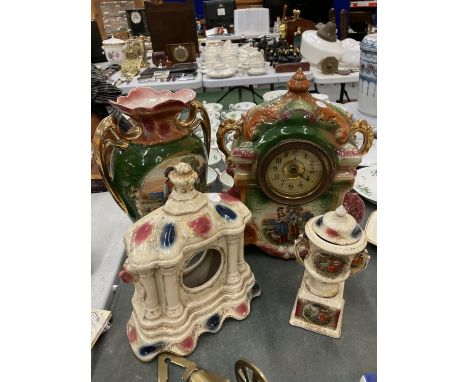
(293, 158)
(186, 260)
(367, 97)
(133, 164)
(334, 251)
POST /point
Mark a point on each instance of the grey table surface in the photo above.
(283, 352)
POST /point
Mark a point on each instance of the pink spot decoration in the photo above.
(126, 276)
(332, 233)
(142, 233)
(228, 198)
(200, 226)
(242, 309)
(132, 335)
(187, 344)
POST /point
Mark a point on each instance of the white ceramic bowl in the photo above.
(216, 159)
(268, 96)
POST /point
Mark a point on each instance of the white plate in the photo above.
(371, 228)
(268, 96)
(365, 183)
(251, 72)
(370, 159)
(221, 73)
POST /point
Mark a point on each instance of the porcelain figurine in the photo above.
(293, 158)
(186, 260)
(132, 164)
(367, 96)
(335, 250)
(113, 49)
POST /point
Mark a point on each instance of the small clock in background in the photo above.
(179, 53)
(136, 19)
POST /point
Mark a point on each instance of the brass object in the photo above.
(246, 371)
(329, 65)
(144, 59)
(107, 135)
(132, 61)
(363, 127)
(192, 372)
(296, 13)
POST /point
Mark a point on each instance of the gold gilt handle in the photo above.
(225, 127)
(108, 135)
(360, 262)
(192, 122)
(361, 126)
(301, 245)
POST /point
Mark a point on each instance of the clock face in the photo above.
(295, 172)
(181, 54)
(136, 17)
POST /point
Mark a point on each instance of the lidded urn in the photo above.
(335, 249)
(186, 260)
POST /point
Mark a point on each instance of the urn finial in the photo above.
(183, 177)
(298, 82)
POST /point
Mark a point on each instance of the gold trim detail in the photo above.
(363, 127)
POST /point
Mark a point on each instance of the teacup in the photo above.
(242, 106)
(216, 159)
(227, 181)
(213, 114)
(268, 96)
(214, 122)
(211, 180)
(213, 106)
(235, 115)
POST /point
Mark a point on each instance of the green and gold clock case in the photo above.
(293, 158)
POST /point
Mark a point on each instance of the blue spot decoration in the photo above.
(319, 221)
(356, 232)
(168, 235)
(145, 350)
(213, 322)
(225, 212)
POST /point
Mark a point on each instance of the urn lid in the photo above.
(187, 221)
(338, 227)
(113, 41)
(328, 32)
(369, 42)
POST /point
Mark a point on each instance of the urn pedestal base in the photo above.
(318, 314)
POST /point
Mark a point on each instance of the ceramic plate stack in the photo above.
(366, 183)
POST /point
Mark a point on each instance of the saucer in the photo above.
(366, 183)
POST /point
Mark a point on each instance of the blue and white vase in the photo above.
(367, 97)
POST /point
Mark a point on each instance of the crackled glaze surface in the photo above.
(186, 260)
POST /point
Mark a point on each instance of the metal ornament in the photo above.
(245, 370)
(329, 65)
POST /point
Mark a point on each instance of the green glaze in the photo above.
(131, 167)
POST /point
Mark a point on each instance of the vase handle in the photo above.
(361, 126)
(360, 262)
(298, 243)
(192, 122)
(108, 135)
(225, 127)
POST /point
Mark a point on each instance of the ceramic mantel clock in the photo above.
(293, 158)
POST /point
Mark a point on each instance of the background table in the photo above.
(285, 353)
(322, 79)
